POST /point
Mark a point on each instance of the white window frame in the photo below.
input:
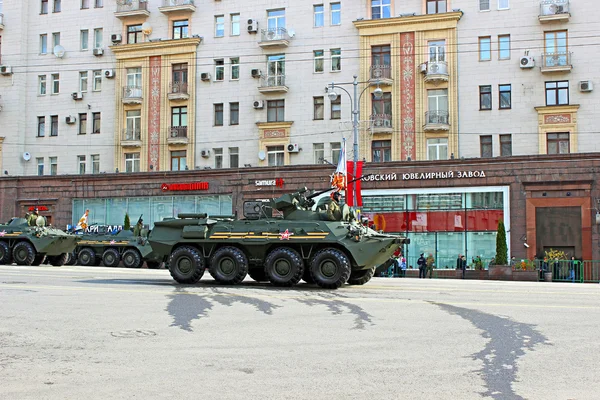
(132, 162)
(219, 24)
(44, 43)
(336, 149)
(81, 162)
(134, 77)
(83, 81)
(98, 3)
(84, 39)
(55, 39)
(316, 13)
(437, 146)
(97, 86)
(235, 67)
(53, 165)
(133, 123)
(218, 158)
(318, 58)
(319, 153)
(483, 3)
(333, 57)
(234, 154)
(98, 42)
(275, 20)
(40, 166)
(95, 163)
(219, 68)
(55, 84)
(276, 156)
(42, 85)
(235, 24)
(333, 12)
(85, 4)
(500, 2)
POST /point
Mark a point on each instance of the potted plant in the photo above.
(552, 262)
(501, 270)
(525, 270)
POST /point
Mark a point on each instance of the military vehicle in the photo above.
(110, 249)
(301, 243)
(30, 245)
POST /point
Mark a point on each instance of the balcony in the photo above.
(436, 71)
(556, 62)
(178, 135)
(437, 120)
(277, 37)
(172, 6)
(382, 123)
(132, 95)
(273, 84)
(1, 21)
(131, 138)
(381, 74)
(132, 8)
(178, 91)
(554, 10)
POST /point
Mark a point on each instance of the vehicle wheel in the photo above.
(38, 260)
(186, 265)
(59, 260)
(258, 274)
(71, 259)
(306, 277)
(86, 257)
(111, 258)
(5, 254)
(228, 265)
(284, 267)
(24, 253)
(132, 259)
(361, 277)
(330, 268)
(153, 264)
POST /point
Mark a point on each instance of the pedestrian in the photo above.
(430, 264)
(422, 266)
(459, 261)
(463, 265)
(513, 262)
(403, 267)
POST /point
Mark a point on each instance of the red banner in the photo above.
(359, 167)
(350, 185)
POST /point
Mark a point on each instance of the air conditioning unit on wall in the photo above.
(586, 86)
(293, 148)
(527, 62)
(205, 76)
(252, 26)
(108, 73)
(258, 104)
(116, 38)
(205, 153)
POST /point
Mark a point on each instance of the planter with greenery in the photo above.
(500, 270)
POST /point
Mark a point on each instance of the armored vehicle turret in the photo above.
(300, 243)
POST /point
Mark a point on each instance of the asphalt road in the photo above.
(102, 333)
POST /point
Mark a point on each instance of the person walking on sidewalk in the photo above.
(422, 266)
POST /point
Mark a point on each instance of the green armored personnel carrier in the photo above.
(30, 245)
(302, 243)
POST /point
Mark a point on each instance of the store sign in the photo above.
(165, 187)
(270, 182)
(416, 176)
(40, 208)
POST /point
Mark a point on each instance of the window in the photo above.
(502, 4)
(234, 113)
(336, 13)
(134, 78)
(56, 6)
(275, 156)
(84, 39)
(319, 15)
(336, 60)
(97, 80)
(380, 55)
(97, 122)
(436, 6)
(40, 166)
(41, 127)
(318, 108)
(319, 153)
(54, 125)
(437, 149)
(98, 3)
(275, 111)
(485, 97)
(505, 96)
(218, 158)
(380, 9)
(485, 48)
(504, 47)
(275, 20)
(484, 5)
(382, 110)
(557, 93)
(219, 70)
(437, 106)
(219, 25)
(133, 125)
(235, 24)
(437, 51)
(555, 49)
(235, 68)
(179, 120)
(95, 163)
(53, 165)
(336, 108)
(505, 145)
(557, 143)
(98, 38)
(485, 146)
(42, 85)
(44, 44)
(134, 34)
(336, 150)
(382, 150)
(218, 114)
(82, 124)
(180, 29)
(81, 164)
(85, 4)
(83, 81)
(318, 60)
(178, 160)
(55, 39)
(234, 157)
(132, 162)
(276, 70)
(44, 9)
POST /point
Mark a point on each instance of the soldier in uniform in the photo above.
(334, 212)
(33, 217)
(137, 229)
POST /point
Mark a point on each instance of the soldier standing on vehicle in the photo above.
(137, 229)
(334, 212)
(33, 217)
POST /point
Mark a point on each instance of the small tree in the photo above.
(501, 247)
(127, 222)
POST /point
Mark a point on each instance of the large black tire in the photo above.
(153, 264)
(111, 257)
(23, 253)
(228, 265)
(39, 259)
(258, 274)
(330, 268)
(306, 277)
(284, 266)
(186, 265)
(71, 259)
(59, 260)
(5, 254)
(86, 257)
(361, 277)
(132, 259)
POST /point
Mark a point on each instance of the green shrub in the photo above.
(501, 247)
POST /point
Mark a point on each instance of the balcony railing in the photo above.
(381, 121)
(381, 73)
(437, 120)
(177, 5)
(131, 135)
(436, 71)
(552, 62)
(132, 8)
(274, 37)
(132, 94)
(178, 132)
(273, 83)
(178, 91)
(554, 10)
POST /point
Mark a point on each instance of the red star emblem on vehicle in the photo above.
(285, 235)
(2, 233)
(112, 242)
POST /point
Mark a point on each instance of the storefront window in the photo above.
(445, 201)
